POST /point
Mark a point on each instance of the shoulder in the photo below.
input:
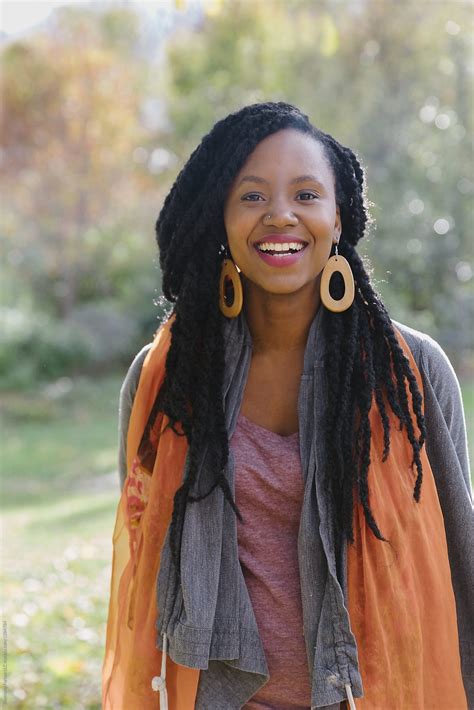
(130, 383)
(431, 359)
(127, 395)
(440, 382)
(419, 342)
(439, 377)
(160, 345)
(444, 412)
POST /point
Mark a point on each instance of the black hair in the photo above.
(364, 359)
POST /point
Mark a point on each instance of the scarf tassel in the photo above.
(158, 683)
(350, 697)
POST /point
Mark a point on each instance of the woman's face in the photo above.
(281, 215)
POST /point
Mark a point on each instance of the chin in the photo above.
(283, 286)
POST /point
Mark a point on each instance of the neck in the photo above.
(280, 322)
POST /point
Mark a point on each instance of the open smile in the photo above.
(280, 249)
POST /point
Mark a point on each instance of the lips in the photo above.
(280, 249)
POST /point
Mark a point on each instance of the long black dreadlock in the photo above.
(364, 357)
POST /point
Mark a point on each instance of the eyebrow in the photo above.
(296, 180)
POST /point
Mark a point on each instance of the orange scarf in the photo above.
(400, 597)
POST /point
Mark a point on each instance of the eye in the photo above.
(307, 196)
(252, 197)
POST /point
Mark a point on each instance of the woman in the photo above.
(295, 525)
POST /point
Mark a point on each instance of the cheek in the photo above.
(238, 228)
(321, 251)
(229, 223)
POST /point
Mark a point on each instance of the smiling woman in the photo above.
(289, 221)
(272, 205)
(296, 503)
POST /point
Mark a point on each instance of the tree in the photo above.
(72, 99)
(388, 79)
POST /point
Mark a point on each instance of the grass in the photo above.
(57, 441)
(60, 491)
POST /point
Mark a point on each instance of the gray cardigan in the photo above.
(228, 684)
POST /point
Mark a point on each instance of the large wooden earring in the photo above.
(231, 295)
(334, 264)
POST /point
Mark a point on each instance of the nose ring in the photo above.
(269, 216)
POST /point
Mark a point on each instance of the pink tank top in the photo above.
(269, 490)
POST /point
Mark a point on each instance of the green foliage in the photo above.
(388, 79)
(97, 125)
(94, 337)
(32, 349)
(72, 99)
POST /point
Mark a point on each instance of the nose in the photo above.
(280, 215)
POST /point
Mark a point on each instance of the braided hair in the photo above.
(363, 354)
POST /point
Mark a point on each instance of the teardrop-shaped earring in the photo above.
(337, 263)
(230, 303)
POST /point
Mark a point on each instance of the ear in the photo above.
(337, 225)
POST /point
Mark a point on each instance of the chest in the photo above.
(270, 396)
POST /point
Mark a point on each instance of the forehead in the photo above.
(286, 152)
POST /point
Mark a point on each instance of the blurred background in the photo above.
(101, 104)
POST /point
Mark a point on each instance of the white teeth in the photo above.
(278, 247)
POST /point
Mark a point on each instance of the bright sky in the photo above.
(17, 16)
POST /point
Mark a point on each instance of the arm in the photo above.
(127, 395)
(444, 414)
(446, 446)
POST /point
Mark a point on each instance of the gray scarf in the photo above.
(208, 619)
